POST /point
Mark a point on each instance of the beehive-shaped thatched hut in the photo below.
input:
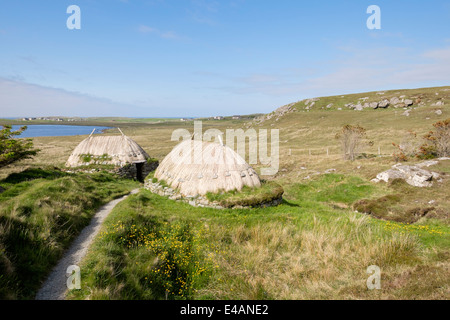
(196, 168)
(120, 151)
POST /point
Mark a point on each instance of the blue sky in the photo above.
(182, 58)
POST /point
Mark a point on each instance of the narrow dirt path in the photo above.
(55, 287)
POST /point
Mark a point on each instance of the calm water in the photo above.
(57, 130)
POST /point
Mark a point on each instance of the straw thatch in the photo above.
(197, 167)
(115, 150)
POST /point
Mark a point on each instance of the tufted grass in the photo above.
(306, 248)
(41, 212)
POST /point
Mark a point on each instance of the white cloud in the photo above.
(357, 70)
(204, 11)
(146, 29)
(23, 99)
(438, 54)
(162, 34)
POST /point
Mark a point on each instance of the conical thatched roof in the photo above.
(197, 167)
(116, 150)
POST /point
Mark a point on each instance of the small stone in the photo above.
(395, 101)
(383, 104)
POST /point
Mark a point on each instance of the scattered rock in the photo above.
(374, 105)
(413, 175)
(438, 104)
(428, 163)
(408, 102)
(384, 104)
(438, 112)
(329, 106)
(310, 106)
(277, 113)
(394, 101)
(359, 107)
(330, 171)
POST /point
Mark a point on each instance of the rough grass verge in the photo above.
(248, 197)
(41, 212)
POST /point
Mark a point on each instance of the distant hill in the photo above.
(407, 99)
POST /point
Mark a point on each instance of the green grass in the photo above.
(337, 188)
(314, 245)
(86, 158)
(41, 212)
(248, 197)
(142, 256)
(303, 249)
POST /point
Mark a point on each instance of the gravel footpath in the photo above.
(55, 287)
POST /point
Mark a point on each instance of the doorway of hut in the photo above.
(139, 171)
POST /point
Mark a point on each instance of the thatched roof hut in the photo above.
(115, 150)
(197, 167)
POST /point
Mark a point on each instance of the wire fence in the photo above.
(334, 151)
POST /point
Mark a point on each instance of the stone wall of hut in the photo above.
(199, 201)
(130, 171)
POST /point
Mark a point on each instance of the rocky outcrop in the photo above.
(396, 102)
(277, 114)
(414, 175)
(438, 104)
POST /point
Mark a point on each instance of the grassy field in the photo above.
(313, 246)
(41, 212)
(154, 248)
